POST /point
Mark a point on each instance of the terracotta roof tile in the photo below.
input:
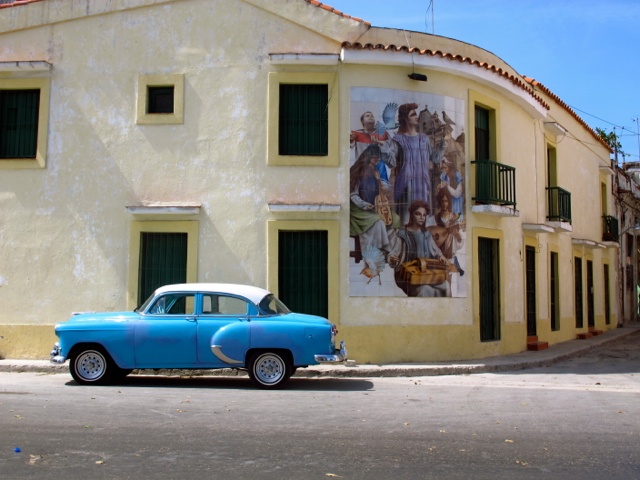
(555, 98)
(337, 12)
(517, 80)
(18, 3)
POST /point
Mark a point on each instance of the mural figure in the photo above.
(410, 152)
(413, 248)
(370, 215)
(372, 131)
(445, 227)
(451, 180)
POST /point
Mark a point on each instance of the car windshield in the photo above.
(271, 305)
(144, 306)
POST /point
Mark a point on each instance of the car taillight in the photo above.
(334, 330)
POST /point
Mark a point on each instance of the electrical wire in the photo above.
(426, 16)
(631, 132)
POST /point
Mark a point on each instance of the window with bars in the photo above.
(303, 123)
(19, 110)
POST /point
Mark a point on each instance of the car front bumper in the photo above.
(55, 357)
(340, 355)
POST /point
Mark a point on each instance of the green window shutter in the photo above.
(19, 123)
(303, 272)
(483, 134)
(163, 260)
(303, 120)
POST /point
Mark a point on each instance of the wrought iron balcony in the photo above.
(610, 228)
(495, 183)
(559, 202)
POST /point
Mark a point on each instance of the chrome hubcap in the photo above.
(269, 368)
(90, 365)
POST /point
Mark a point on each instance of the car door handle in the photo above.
(190, 319)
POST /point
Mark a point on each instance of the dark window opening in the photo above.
(160, 99)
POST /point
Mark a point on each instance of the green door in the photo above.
(302, 271)
(489, 285)
(578, 292)
(163, 260)
(531, 291)
(591, 321)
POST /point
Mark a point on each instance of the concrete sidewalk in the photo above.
(518, 361)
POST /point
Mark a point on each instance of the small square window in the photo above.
(160, 99)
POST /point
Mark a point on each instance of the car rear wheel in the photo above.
(270, 369)
(91, 366)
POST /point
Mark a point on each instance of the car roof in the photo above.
(255, 294)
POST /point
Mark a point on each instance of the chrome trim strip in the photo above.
(217, 351)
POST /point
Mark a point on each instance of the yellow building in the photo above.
(416, 190)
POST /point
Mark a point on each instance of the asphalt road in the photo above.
(577, 419)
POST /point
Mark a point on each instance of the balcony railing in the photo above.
(495, 183)
(610, 228)
(559, 201)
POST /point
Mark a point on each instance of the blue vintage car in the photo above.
(197, 326)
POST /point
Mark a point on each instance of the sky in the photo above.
(584, 51)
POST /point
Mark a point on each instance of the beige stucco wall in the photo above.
(65, 233)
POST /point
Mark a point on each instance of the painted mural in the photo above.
(407, 222)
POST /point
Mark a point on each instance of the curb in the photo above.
(519, 361)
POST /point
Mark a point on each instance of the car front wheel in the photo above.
(91, 366)
(269, 369)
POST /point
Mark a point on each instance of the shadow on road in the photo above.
(239, 383)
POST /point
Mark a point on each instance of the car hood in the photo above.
(90, 318)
